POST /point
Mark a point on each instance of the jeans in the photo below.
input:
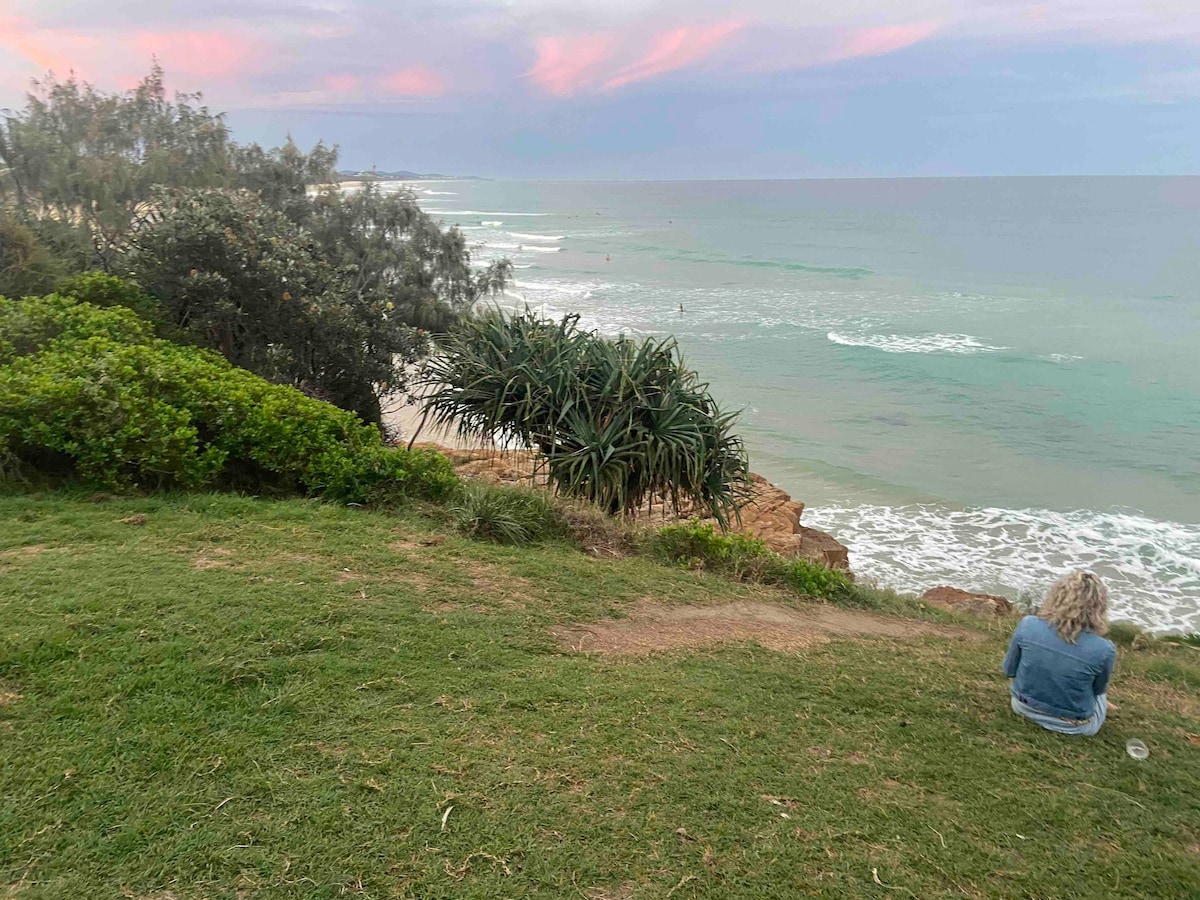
(1087, 727)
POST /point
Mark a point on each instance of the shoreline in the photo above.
(1015, 553)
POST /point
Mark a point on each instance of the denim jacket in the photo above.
(1055, 677)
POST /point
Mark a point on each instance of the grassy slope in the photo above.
(252, 698)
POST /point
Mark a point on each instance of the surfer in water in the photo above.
(681, 307)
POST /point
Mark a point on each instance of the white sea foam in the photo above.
(440, 193)
(1152, 567)
(519, 248)
(901, 343)
(480, 212)
(496, 223)
(541, 238)
(1062, 357)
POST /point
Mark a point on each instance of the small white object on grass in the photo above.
(1136, 749)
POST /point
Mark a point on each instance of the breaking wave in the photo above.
(901, 343)
(1151, 567)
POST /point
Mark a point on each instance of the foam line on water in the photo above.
(480, 212)
(1152, 567)
(902, 343)
(543, 238)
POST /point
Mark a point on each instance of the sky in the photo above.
(648, 89)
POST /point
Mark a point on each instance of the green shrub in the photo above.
(815, 580)
(700, 546)
(507, 515)
(99, 397)
(1191, 640)
(747, 558)
(1124, 633)
(104, 290)
(26, 326)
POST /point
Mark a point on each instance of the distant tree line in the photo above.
(254, 253)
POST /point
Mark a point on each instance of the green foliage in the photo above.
(90, 160)
(102, 289)
(1124, 633)
(814, 580)
(1191, 640)
(400, 262)
(327, 291)
(95, 394)
(620, 422)
(30, 324)
(27, 267)
(506, 515)
(699, 546)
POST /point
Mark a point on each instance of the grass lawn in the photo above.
(247, 698)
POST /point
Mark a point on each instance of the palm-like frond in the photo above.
(620, 422)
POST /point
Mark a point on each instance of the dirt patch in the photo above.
(496, 584)
(8, 697)
(215, 558)
(9, 559)
(417, 544)
(23, 552)
(653, 627)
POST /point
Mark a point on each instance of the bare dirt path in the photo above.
(653, 627)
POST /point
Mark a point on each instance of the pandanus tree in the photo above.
(618, 422)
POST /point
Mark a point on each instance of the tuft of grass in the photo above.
(1126, 634)
(1191, 640)
(506, 515)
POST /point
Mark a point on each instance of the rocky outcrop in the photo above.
(768, 513)
(982, 605)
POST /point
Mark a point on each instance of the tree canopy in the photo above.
(253, 252)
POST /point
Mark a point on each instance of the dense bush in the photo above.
(91, 391)
(28, 325)
(619, 422)
(102, 289)
(746, 558)
(507, 515)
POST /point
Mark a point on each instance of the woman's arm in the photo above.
(1013, 657)
(1100, 685)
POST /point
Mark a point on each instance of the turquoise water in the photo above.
(980, 382)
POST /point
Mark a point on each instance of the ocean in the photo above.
(981, 382)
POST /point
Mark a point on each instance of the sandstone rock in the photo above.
(768, 512)
(983, 605)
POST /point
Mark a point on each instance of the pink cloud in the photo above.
(340, 82)
(415, 81)
(207, 54)
(887, 39)
(45, 49)
(566, 64)
(676, 49)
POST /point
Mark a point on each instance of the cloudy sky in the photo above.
(661, 88)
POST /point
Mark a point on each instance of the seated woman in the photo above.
(1059, 663)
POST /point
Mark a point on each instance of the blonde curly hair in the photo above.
(1075, 603)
